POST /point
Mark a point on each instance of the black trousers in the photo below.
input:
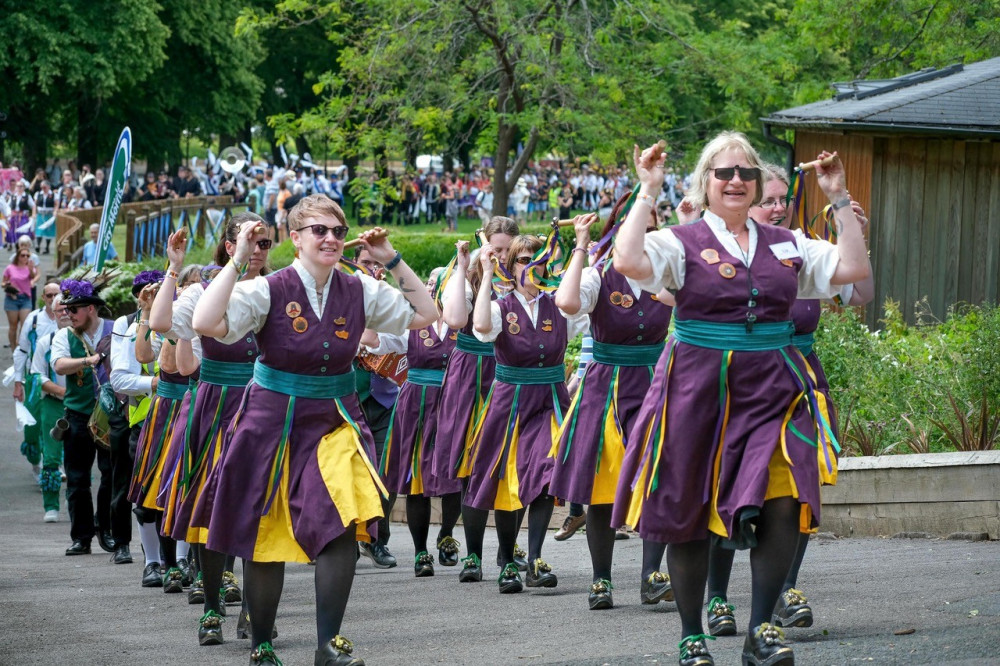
(379, 418)
(121, 478)
(79, 452)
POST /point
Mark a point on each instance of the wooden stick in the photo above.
(825, 162)
(377, 234)
(481, 236)
(562, 223)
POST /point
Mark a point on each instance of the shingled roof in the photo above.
(961, 100)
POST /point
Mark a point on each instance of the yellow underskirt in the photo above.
(612, 455)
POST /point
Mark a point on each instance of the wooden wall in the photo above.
(935, 211)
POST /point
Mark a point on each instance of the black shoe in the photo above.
(379, 555)
(792, 610)
(621, 534)
(210, 629)
(694, 652)
(152, 576)
(570, 527)
(79, 548)
(600, 595)
(187, 572)
(122, 555)
(196, 593)
(510, 579)
(264, 654)
(472, 570)
(172, 581)
(540, 575)
(423, 565)
(656, 588)
(764, 647)
(243, 626)
(105, 541)
(230, 592)
(448, 551)
(721, 617)
(520, 558)
(337, 653)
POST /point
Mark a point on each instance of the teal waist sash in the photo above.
(304, 386)
(804, 342)
(226, 373)
(171, 391)
(471, 345)
(714, 335)
(510, 374)
(627, 355)
(425, 376)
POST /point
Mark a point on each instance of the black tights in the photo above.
(474, 521)
(600, 540)
(418, 517)
(212, 565)
(334, 577)
(168, 547)
(509, 523)
(793, 571)
(652, 557)
(264, 582)
(720, 566)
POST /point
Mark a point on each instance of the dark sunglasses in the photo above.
(746, 173)
(73, 309)
(264, 243)
(319, 231)
(524, 261)
(24, 256)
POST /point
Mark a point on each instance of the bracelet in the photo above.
(578, 249)
(143, 322)
(841, 203)
(241, 269)
(394, 261)
(171, 274)
(647, 199)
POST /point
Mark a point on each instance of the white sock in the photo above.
(182, 550)
(150, 542)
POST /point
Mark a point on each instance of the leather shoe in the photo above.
(196, 593)
(379, 555)
(570, 527)
(172, 581)
(210, 629)
(540, 575)
(792, 610)
(510, 579)
(721, 617)
(264, 654)
(122, 555)
(656, 588)
(448, 551)
(423, 565)
(600, 595)
(764, 647)
(187, 572)
(520, 558)
(79, 548)
(152, 576)
(243, 626)
(230, 591)
(472, 570)
(694, 652)
(106, 541)
(337, 653)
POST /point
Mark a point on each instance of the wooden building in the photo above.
(922, 153)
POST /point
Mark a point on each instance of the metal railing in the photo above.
(147, 225)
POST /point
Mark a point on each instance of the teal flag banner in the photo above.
(121, 168)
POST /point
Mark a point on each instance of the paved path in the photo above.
(945, 596)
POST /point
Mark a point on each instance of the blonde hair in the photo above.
(702, 172)
(521, 244)
(316, 206)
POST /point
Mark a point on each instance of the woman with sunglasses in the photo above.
(629, 326)
(225, 370)
(507, 460)
(793, 608)
(703, 432)
(467, 380)
(297, 480)
(18, 279)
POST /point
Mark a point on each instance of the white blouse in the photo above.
(590, 288)
(575, 324)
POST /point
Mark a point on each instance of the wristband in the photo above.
(143, 322)
(647, 199)
(394, 261)
(578, 249)
(241, 269)
(170, 274)
(841, 203)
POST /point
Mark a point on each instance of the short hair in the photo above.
(189, 271)
(314, 205)
(95, 225)
(721, 143)
(24, 240)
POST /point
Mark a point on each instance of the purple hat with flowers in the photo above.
(144, 278)
(79, 292)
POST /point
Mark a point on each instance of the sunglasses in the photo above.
(24, 256)
(73, 309)
(264, 243)
(746, 173)
(44, 295)
(524, 261)
(319, 231)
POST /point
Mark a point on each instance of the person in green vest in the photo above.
(76, 354)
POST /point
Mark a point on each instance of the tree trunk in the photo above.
(505, 142)
(302, 145)
(87, 113)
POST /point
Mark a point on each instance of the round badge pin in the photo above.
(727, 271)
(428, 342)
(424, 334)
(627, 301)
(300, 325)
(293, 309)
(513, 329)
(616, 298)
(511, 317)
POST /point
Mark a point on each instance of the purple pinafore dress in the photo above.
(154, 440)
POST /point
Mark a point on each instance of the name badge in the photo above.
(786, 250)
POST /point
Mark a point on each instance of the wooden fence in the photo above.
(147, 225)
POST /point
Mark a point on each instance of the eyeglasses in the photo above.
(771, 203)
(44, 295)
(264, 243)
(73, 309)
(727, 173)
(24, 256)
(319, 231)
(524, 261)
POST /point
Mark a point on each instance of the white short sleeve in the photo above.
(590, 289)
(496, 323)
(819, 262)
(666, 255)
(183, 313)
(247, 309)
(386, 309)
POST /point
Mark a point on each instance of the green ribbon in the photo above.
(509, 374)
(170, 390)
(627, 355)
(471, 345)
(425, 377)
(804, 342)
(714, 335)
(226, 373)
(304, 386)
